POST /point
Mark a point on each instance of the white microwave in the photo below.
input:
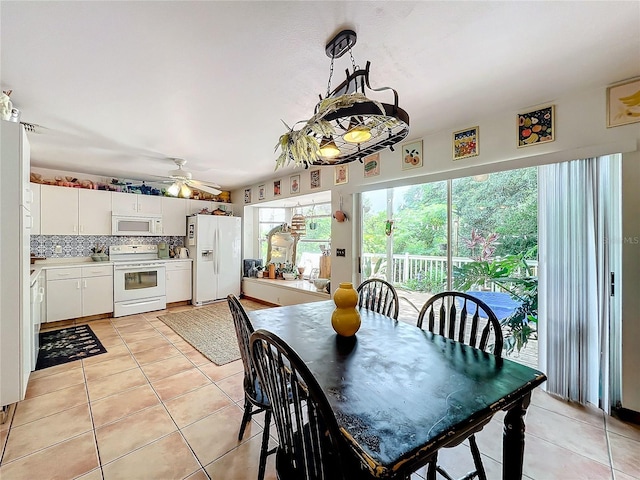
(147, 225)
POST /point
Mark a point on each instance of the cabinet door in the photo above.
(179, 283)
(35, 209)
(124, 203)
(174, 216)
(97, 295)
(94, 212)
(59, 210)
(149, 204)
(64, 299)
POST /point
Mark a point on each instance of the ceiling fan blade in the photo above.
(205, 188)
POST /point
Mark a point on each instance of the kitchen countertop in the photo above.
(290, 284)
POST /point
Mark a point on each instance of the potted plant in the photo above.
(513, 275)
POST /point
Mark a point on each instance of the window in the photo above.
(268, 219)
(311, 245)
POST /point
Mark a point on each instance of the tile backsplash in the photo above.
(81, 245)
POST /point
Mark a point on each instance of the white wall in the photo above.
(580, 132)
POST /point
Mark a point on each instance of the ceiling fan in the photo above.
(182, 181)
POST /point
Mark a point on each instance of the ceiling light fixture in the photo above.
(174, 189)
(345, 118)
(328, 148)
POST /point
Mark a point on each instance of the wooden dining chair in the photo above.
(255, 399)
(379, 296)
(311, 446)
(466, 319)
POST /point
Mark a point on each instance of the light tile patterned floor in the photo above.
(153, 407)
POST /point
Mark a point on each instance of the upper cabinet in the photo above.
(35, 209)
(78, 211)
(174, 216)
(135, 204)
(74, 211)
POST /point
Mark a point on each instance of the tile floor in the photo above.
(153, 407)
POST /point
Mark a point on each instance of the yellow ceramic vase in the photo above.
(345, 319)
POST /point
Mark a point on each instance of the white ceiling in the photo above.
(121, 86)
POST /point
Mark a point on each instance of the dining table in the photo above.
(400, 393)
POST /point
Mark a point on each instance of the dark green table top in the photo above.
(399, 393)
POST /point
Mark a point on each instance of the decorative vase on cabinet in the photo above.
(345, 319)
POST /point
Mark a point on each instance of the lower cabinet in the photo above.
(178, 280)
(82, 291)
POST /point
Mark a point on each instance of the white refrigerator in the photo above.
(214, 243)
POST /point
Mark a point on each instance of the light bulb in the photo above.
(174, 189)
(357, 133)
(185, 191)
(328, 148)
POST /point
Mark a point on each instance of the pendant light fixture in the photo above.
(346, 125)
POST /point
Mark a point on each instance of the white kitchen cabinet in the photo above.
(15, 294)
(94, 212)
(97, 289)
(80, 291)
(74, 211)
(178, 282)
(59, 210)
(174, 216)
(136, 204)
(35, 209)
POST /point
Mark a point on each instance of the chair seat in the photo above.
(255, 393)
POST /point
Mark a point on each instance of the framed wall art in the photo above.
(623, 103)
(536, 126)
(465, 143)
(371, 165)
(276, 188)
(314, 179)
(247, 195)
(295, 183)
(412, 155)
(262, 192)
(341, 174)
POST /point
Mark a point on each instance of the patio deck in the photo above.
(408, 300)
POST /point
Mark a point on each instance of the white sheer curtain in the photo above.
(578, 217)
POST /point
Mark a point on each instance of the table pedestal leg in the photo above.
(513, 440)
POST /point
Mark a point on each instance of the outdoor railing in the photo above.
(426, 269)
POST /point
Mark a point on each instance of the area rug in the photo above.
(67, 345)
(210, 329)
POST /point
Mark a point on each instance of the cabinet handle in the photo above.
(30, 226)
(135, 207)
(75, 228)
(84, 284)
(78, 285)
(62, 274)
(81, 228)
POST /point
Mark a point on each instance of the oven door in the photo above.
(136, 282)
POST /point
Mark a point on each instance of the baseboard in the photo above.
(626, 415)
(259, 300)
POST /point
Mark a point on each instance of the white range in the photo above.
(138, 279)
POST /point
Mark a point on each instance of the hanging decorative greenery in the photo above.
(301, 146)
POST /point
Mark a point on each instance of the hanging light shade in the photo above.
(357, 132)
(298, 225)
(328, 148)
(356, 124)
(174, 189)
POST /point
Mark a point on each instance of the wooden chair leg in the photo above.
(431, 468)
(246, 417)
(477, 459)
(265, 444)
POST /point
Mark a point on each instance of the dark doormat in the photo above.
(67, 345)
